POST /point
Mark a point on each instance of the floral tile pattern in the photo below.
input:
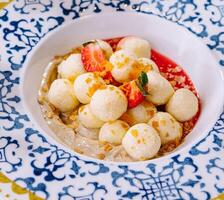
(40, 165)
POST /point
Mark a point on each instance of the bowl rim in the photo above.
(84, 157)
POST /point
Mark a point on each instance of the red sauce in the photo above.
(172, 72)
(113, 42)
(178, 79)
(175, 75)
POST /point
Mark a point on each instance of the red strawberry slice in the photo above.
(108, 76)
(93, 57)
(133, 93)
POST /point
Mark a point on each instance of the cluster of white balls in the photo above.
(105, 107)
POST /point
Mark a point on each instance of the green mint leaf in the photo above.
(143, 91)
(144, 78)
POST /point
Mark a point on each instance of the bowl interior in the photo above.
(168, 38)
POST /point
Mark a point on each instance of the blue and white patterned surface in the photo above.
(52, 171)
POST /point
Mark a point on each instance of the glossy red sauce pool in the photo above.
(175, 75)
(179, 79)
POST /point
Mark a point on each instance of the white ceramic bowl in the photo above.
(168, 38)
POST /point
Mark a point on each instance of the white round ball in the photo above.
(136, 45)
(141, 142)
(166, 125)
(113, 132)
(159, 89)
(85, 85)
(108, 103)
(87, 118)
(107, 49)
(140, 114)
(183, 105)
(71, 67)
(123, 63)
(62, 96)
(148, 64)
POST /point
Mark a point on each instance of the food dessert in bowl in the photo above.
(130, 106)
(119, 100)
